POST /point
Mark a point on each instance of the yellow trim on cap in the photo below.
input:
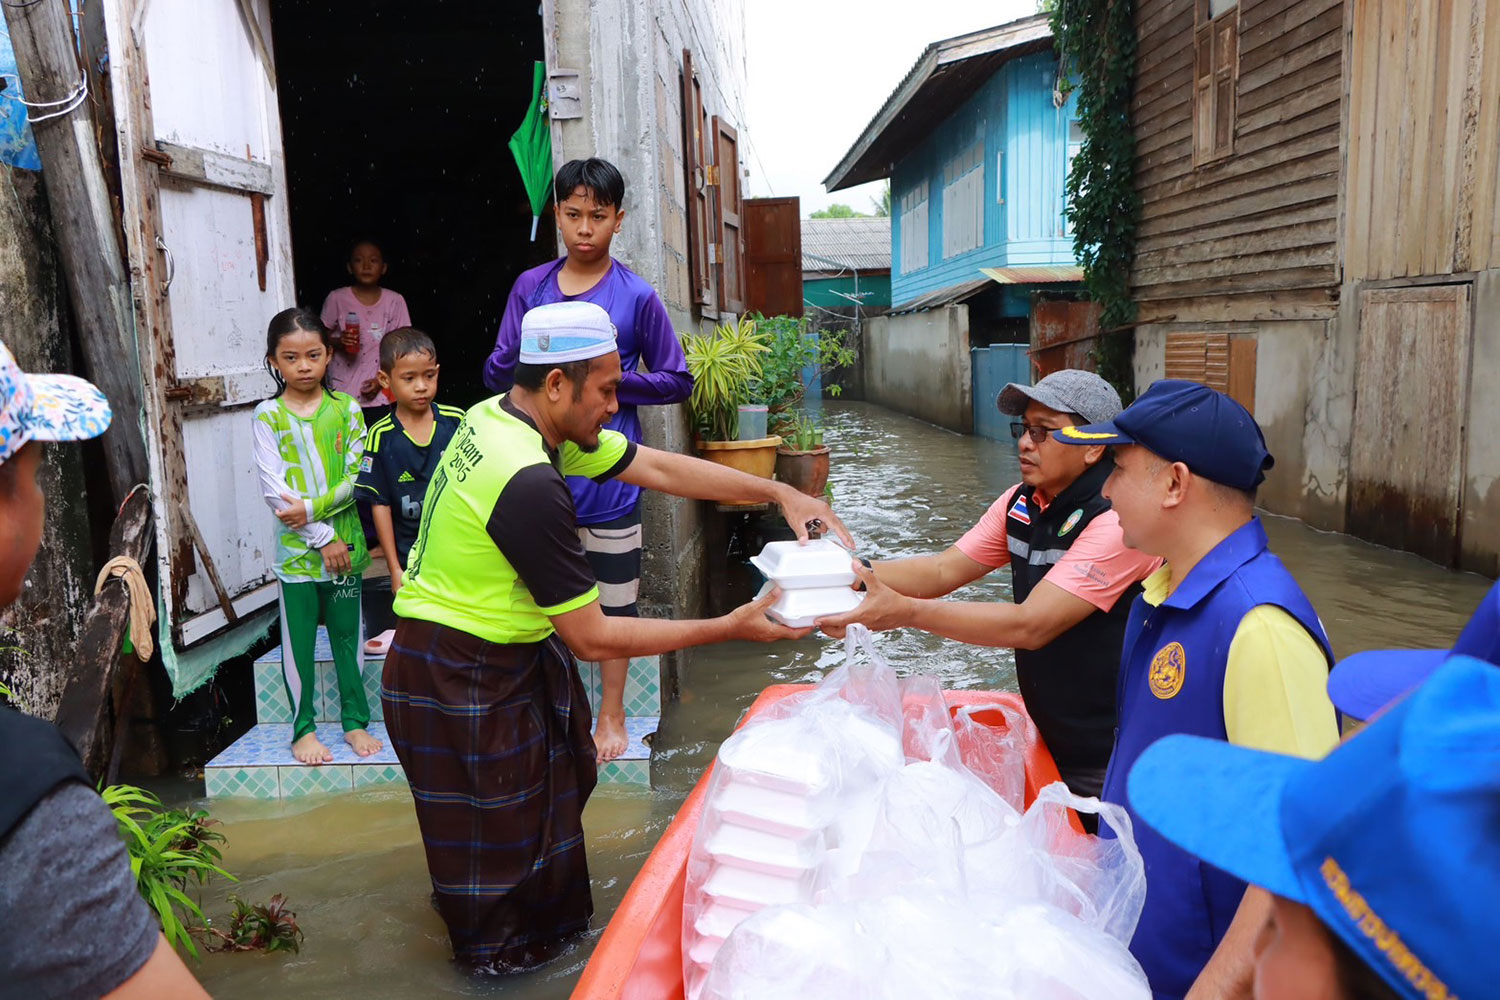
(1073, 432)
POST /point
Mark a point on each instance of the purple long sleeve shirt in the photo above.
(645, 335)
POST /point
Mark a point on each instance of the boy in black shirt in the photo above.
(402, 449)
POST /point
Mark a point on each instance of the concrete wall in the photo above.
(629, 56)
(918, 363)
(1481, 500)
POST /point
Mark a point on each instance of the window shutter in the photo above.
(1218, 360)
(1216, 67)
(731, 256)
(696, 165)
(1226, 32)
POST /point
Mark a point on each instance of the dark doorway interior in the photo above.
(396, 116)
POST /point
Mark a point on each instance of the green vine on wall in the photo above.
(1096, 46)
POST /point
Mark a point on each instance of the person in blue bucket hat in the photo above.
(1222, 644)
(1382, 860)
(1364, 683)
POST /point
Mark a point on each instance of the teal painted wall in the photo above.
(821, 291)
(1014, 111)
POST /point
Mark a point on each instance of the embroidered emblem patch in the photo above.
(366, 464)
(1071, 522)
(1018, 511)
(1168, 669)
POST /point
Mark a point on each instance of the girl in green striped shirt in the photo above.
(309, 442)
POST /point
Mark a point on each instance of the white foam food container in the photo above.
(803, 608)
(781, 813)
(777, 755)
(759, 851)
(795, 566)
(738, 887)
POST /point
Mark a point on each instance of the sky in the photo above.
(819, 70)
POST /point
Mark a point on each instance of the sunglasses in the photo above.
(1036, 432)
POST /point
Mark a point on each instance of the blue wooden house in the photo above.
(976, 142)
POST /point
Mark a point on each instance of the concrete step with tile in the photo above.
(642, 685)
(260, 765)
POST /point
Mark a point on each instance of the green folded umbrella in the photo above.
(532, 148)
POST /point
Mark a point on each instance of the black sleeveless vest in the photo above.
(34, 759)
(1069, 685)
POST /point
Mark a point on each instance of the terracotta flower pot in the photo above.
(757, 457)
(804, 471)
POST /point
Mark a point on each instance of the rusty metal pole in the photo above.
(84, 224)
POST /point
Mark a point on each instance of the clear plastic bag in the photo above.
(996, 756)
(787, 788)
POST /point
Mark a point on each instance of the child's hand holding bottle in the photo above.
(349, 339)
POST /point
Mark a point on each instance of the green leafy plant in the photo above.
(169, 850)
(1096, 46)
(260, 927)
(793, 348)
(802, 432)
(725, 365)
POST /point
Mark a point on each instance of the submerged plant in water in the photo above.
(169, 848)
(260, 927)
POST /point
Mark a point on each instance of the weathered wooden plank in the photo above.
(1298, 200)
(1270, 215)
(1307, 136)
(1436, 196)
(1326, 72)
(1388, 86)
(91, 672)
(1278, 46)
(1238, 248)
(1172, 91)
(1248, 307)
(1484, 200)
(1162, 137)
(84, 227)
(1242, 371)
(1294, 60)
(1319, 164)
(205, 166)
(1416, 119)
(1364, 65)
(1154, 20)
(1256, 31)
(1304, 101)
(1301, 265)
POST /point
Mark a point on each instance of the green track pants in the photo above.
(336, 604)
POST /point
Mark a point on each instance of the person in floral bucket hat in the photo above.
(77, 925)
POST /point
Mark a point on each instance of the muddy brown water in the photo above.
(352, 864)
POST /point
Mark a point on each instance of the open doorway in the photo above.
(396, 117)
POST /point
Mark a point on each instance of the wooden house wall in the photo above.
(1253, 236)
(1424, 138)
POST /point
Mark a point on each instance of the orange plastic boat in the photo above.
(639, 957)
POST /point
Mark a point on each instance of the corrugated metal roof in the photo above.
(846, 244)
(944, 76)
(1038, 274)
(944, 296)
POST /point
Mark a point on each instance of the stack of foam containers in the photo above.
(814, 578)
(771, 817)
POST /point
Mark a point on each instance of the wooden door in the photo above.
(697, 161)
(208, 240)
(728, 206)
(773, 256)
(1406, 457)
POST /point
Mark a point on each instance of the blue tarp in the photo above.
(17, 144)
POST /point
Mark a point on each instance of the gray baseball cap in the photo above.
(1070, 390)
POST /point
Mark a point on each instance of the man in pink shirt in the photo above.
(1072, 577)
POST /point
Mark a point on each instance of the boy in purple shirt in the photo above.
(590, 198)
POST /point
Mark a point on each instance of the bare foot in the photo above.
(363, 743)
(609, 737)
(310, 750)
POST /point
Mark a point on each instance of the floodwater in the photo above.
(352, 864)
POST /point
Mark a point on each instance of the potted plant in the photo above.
(726, 367)
(792, 351)
(802, 459)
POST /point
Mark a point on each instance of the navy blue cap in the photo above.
(1390, 839)
(1190, 423)
(1364, 683)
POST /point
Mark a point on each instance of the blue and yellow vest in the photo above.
(1172, 681)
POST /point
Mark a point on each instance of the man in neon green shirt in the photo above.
(482, 698)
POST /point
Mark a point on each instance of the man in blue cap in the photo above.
(1364, 683)
(1222, 644)
(1382, 861)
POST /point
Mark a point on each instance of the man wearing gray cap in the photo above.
(1072, 577)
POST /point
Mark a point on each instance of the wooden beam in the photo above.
(90, 674)
(204, 166)
(85, 228)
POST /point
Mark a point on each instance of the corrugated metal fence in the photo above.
(993, 367)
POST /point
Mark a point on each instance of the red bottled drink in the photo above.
(351, 332)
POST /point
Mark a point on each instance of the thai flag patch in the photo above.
(1018, 511)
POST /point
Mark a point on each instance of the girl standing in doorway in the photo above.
(308, 445)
